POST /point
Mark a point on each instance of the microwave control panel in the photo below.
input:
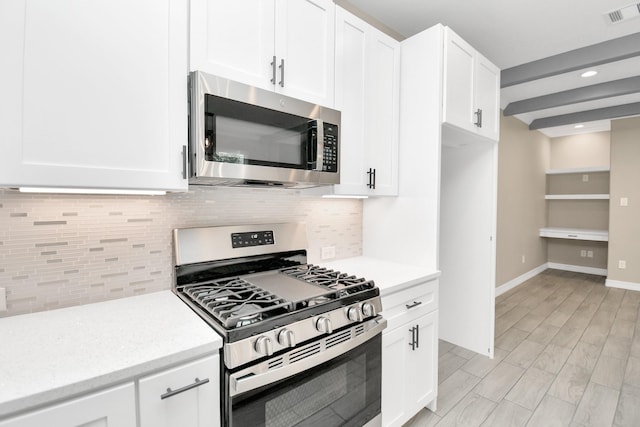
(330, 154)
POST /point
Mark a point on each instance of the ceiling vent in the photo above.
(624, 13)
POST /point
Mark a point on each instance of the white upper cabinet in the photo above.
(367, 94)
(94, 94)
(471, 94)
(281, 45)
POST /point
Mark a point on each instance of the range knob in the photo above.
(368, 309)
(354, 314)
(323, 324)
(286, 338)
(263, 346)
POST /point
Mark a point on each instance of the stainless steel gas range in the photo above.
(302, 343)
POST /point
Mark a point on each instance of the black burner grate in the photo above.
(344, 284)
(235, 302)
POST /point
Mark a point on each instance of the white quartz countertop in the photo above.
(53, 355)
(388, 276)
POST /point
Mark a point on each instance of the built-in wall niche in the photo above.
(577, 218)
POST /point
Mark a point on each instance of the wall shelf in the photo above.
(563, 171)
(575, 234)
(576, 196)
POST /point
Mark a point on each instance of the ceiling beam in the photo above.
(587, 116)
(578, 59)
(574, 96)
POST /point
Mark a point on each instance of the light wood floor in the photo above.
(567, 353)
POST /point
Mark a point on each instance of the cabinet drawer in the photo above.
(187, 395)
(411, 303)
(114, 407)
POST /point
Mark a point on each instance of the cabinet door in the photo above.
(305, 49)
(197, 406)
(409, 368)
(487, 95)
(115, 407)
(422, 362)
(367, 94)
(351, 90)
(234, 40)
(382, 111)
(395, 384)
(458, 94)
(91, 106)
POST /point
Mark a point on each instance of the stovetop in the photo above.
(245, 305)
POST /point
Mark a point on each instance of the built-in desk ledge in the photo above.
(575, 234)
(577, 197)
(593, 169)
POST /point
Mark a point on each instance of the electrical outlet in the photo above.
(328, 252)
(585, 178)
(622, 264)
(589, 254)
(583, 253)
(624, 201)
(3, 299)
(523, 259)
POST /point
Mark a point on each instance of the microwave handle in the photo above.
(316, 147)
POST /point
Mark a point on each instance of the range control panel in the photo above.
(253, 238)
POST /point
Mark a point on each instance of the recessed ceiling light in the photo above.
(589, 73)
(578, 126)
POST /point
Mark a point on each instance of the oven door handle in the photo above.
(245, 380)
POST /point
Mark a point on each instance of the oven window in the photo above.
(342, 392)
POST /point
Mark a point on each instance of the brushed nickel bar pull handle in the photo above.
(184, 162)
(412, 344)
(273, 70)
(281, 72)
(417, 336)
(478, 114)
(415, 304)
(170, 392)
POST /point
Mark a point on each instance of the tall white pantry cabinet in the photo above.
(444, 217)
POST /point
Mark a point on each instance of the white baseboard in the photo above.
(622, 285)
(578, 268)
(520, 279)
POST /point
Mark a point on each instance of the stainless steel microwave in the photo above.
(245, 136)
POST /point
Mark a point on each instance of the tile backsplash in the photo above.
(63, 250)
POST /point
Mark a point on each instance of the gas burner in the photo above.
(248, 314)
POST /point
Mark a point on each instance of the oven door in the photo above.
(342, 391)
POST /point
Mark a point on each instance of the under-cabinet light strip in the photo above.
(91, 191)
(340, 196)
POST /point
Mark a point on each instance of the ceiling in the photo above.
(530, 40)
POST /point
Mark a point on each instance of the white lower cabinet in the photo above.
(185, 396)
(114, 407)
(409, 353)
